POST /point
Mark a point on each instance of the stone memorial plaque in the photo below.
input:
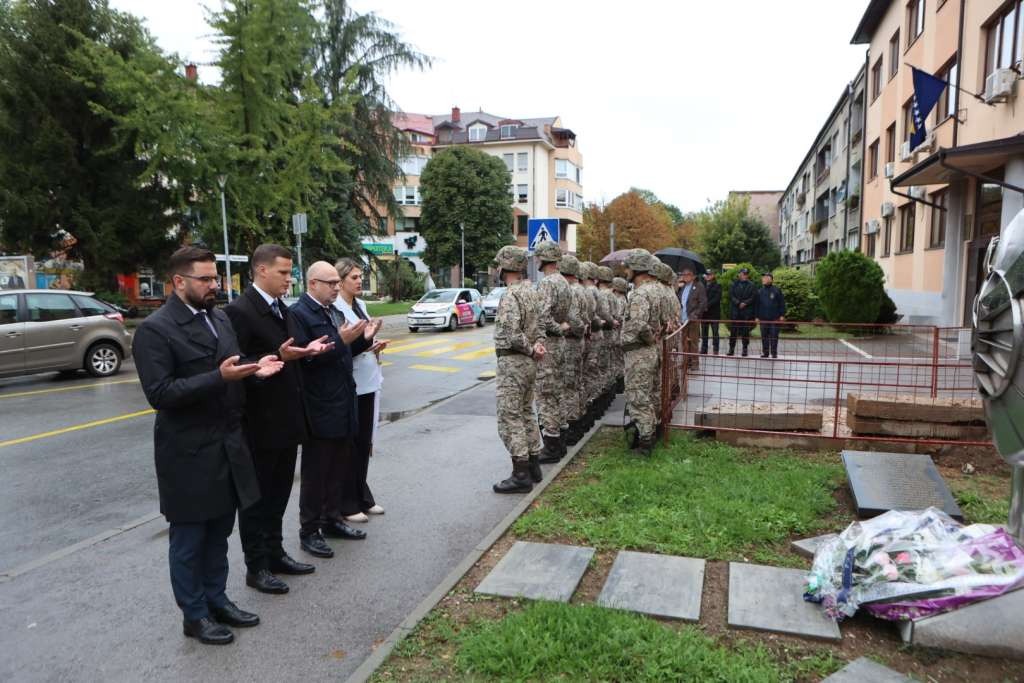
(772, 599)
(808, 546)
(662, 585)
(991, 628)
(539, 571)
(863, 670)
(897, 481)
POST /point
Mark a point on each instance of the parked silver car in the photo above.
(43, 330)
(491, 301)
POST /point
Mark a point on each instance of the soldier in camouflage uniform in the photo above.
(611, 331)
(620, 288)
(592, 355)
(572, 350)
(518, 343)
(640, 342)
(555, 299)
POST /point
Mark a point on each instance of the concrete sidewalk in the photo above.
(106, 611)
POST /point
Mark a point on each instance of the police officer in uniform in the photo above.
(742, 297)
(769, 311)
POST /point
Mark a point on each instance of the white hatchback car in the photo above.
(446, 309)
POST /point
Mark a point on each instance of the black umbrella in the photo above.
(678, 259)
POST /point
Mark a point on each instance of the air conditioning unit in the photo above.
(999, 85)
(917, 192)
(905, 151)
(872, 226)
(888, 209)
(890, 169)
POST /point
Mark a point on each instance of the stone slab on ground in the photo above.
(772, 599)
(864, 670)
(896, 481)
(917, 429)
(748, 417)
(539, 571)
(808, 546)
(662, 585)
(947, 410)
(991, 628)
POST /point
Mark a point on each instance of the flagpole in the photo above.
(955, 87)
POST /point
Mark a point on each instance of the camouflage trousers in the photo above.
(656, 382)
(572, 361)
(592, 380)
(641, 370)
(517, 426)
(550, 387)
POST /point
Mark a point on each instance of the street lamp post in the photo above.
(222, 181)
(462, 267)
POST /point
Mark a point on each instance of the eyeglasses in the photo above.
(205, 279)
(333, 284)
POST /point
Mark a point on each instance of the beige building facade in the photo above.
(764, 204)
(930, 213)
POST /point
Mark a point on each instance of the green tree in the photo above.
(728, 233)
(68, 180)
(797, 287)
(850, 286)
(637, 225)
(673, 212)
(462, 185)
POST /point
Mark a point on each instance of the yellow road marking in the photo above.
(446, 349)
(386, 363)
(36, 392)
(487, 374)
(474, 355)
(414, 345)
(431, 368)
(75, 428)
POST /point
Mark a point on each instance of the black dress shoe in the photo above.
(315, 545)
(265, 582)
(230, 614)
(208, 631)
(288, 565)
(336, 529)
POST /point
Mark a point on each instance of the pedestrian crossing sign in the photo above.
(541, 230)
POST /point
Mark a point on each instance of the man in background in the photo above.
(693, 302)
(709, 323)
(742, 296)
(769, 311)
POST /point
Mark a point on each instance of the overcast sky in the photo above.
(689, 100)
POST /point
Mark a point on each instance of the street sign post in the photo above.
(541, 230)
(299, 227)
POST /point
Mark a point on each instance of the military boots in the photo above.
(519, 481)
(552, 450)
(535, 472)
(645, 446)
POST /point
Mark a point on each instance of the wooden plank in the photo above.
(778, 422)
(918, 409)
(917, 429)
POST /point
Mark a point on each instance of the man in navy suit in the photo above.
(329, 395)
(187, 358)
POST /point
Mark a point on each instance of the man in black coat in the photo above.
(187, 358)
(770, 310)
(709, 324)
(742, 296)
(329, 395)
(275, 422)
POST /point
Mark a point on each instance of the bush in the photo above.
(850, 287)
(411, 285)
(726, 280)
(798, 288)
(887, 314)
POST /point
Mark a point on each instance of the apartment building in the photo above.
(819, 211)
(930, 213)
(545, 172)
(764, 204)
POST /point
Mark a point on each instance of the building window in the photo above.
(522, 194)
(937, 229)
(876, 80)
(894, 54)
(522, 226)
(948, 100)
(873, 160)
(869, 245)
(419, 138)
(477, 133)
(906, 228)
(908, 119)
(523, 161)
(890, 144)
(1003, 38)
(915, 20)
(565, 169)
(886, 236)
(407, 224)
(407, 196)
(508, 132)
(509, 160)
(413, 165)
(562, 198)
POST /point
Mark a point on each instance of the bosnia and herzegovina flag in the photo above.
(927, 91)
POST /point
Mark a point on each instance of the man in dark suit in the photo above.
(329, 393)
(709, 324)
(769, 311)
(275, 422)
(187, 358)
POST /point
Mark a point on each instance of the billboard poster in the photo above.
(15, 272)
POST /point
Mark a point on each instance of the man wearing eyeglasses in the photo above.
(187, 358)
(329, 394)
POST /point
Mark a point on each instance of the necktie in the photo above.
(209, 323)
(275, 306)
(329, 310)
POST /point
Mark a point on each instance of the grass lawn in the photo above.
(376, 310)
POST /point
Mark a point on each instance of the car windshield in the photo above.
(438, 296)
(496, 293)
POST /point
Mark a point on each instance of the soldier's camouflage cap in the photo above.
(588, 270)
(620, 285)
(664, 273)
(640, 261)
(511, 258)
(548, 252)
(604, 274)
(568, 265)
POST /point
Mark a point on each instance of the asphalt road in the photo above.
(77, 452)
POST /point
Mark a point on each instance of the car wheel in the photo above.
(414, 329)
(102, 360)
(453, 324)
(481, 320)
